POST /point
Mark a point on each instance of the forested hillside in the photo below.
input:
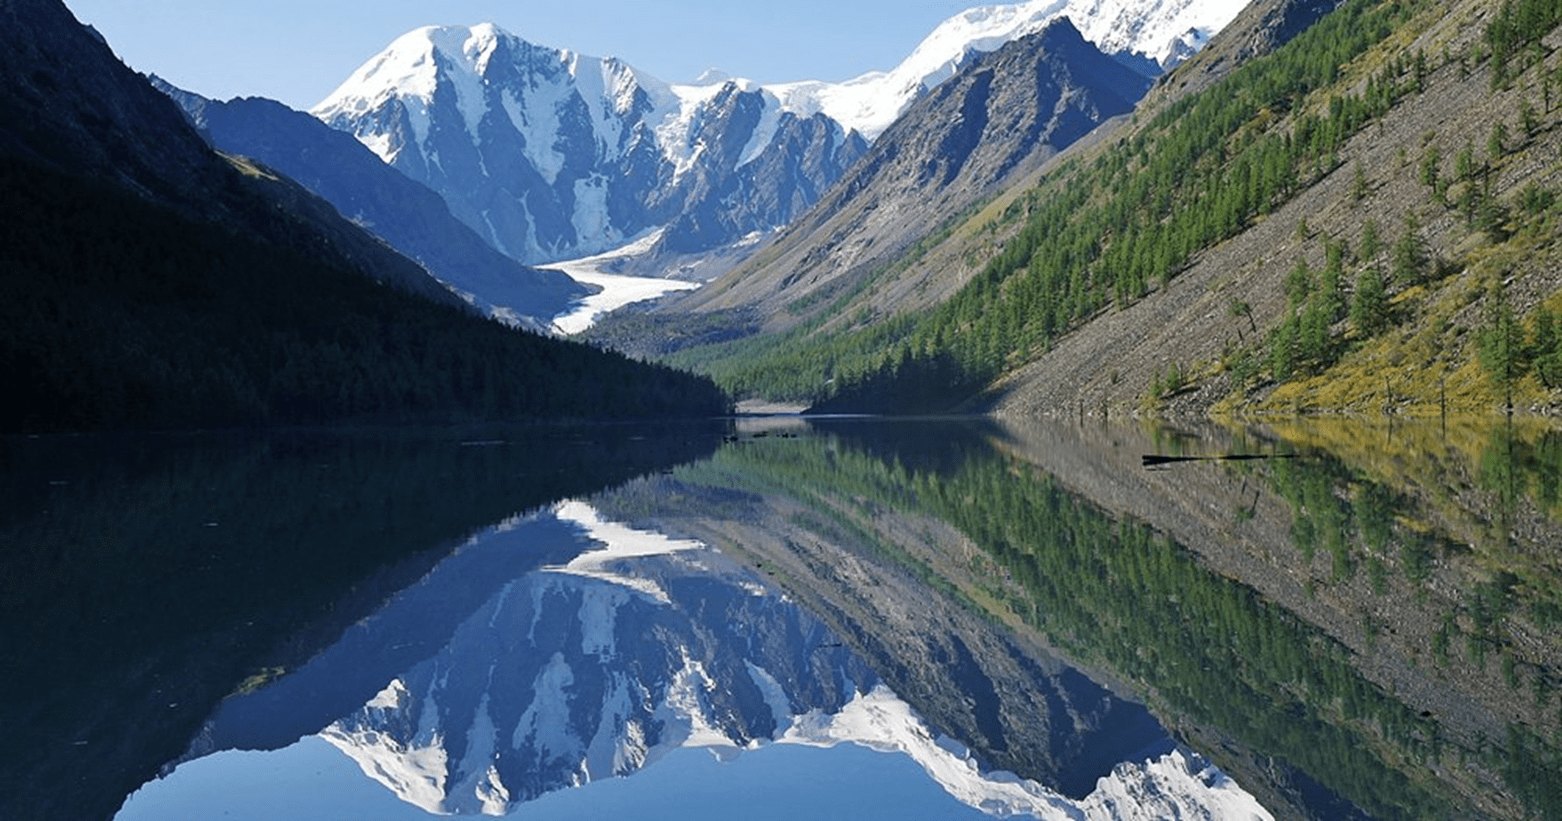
(1376, 196)
(121, 314)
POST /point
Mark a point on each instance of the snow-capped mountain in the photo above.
(997, 120)
(1163, 32)
(550, 154)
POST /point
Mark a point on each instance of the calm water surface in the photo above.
(841, 618)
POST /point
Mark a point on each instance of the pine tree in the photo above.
(1546, 349)
(1371, 245)
(1369, 310)
(1299, 283)
(1334, 281)
(1411, 258)
(1501, 341)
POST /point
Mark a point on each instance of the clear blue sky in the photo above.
(298, 51)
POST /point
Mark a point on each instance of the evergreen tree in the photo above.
(1501, 341)
(1546, 349)
(1282, 347)
(1299, 283)
(1371, 244)
(1334, 281)
(1369, 310)
(1411, 258)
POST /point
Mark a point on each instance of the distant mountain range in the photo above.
(549, 154)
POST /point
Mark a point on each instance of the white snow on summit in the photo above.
(1159, 29)
(553, 155)
(1155, 29)
(619, 543)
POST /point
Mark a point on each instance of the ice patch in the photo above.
(545, 724)
(620, 542)
(616, 291)
(590, 218)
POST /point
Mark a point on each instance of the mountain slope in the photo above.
(1148, 36)
(410, 217)
(1002, 116)
(550, 154)
(1392, 202)
(854, 261)
(1302, 210)
(151, 283)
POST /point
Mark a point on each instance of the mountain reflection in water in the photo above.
(1001, 619)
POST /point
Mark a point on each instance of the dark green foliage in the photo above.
(1546, 349)
(1369, 312)
(123, 314)
(1284, 347)
(1501, 340)
(1371, 242)
(1464, 164)
(930, 383)
(1170, 384)
(1299, 283)
(1412, 260)
(1535, 199)
(1430, 159)
(1517, 24)
(1334, 287)
(1531, 766)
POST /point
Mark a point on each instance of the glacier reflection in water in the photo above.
(478, 691)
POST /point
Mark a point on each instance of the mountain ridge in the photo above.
(549, 154)
(406, 214)
(843, 266)
(1002, 116)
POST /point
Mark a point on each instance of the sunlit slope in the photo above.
(1339, 207)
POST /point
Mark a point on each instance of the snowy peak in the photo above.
(1166, 31)
(1160, 30)
(550, 154)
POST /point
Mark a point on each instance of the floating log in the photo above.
(1153, 460)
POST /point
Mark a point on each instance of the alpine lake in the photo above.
(784, 617)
